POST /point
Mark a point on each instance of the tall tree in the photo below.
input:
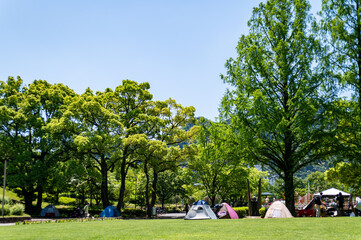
(341, 24)
(99, 132)
(276, 101)
(26, 114)
(132, 101)
(157, 148)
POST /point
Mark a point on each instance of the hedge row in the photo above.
(243, 211)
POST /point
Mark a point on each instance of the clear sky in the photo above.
(179, 47)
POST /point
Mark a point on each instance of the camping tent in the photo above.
(50, 211)
(110, 211)
(278, 210)
(200, 210)
(332, 192)
(227, 211)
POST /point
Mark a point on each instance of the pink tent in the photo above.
(227, 211)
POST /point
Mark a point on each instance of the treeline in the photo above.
(109, 145)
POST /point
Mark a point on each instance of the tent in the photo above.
(227, 211)
(278, 210)
(332, 192)
(50, 211)
(110, 211)
(200, 210)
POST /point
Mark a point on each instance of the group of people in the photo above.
(340, 204)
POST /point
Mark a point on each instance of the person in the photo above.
(186, 208)
(86, 210)
(340, 201)
(318, 202)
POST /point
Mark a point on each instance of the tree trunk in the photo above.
(123, 174)
(289, 191)
(40, 198)
(154, 189)
(28, 197)
(149, 210)
(249, 199)
(104, 185)
(259, 199)
(213, 199)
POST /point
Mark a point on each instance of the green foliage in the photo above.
(67, 201)
(7, 208)
(262, 212)
(347, 175)
(17, 209)
(241, 211)
(9, 194)
(7, 200)
(277, 99)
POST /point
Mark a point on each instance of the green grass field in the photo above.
(296, 228)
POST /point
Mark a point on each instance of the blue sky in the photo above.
(179, 47)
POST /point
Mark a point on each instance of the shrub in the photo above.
(7, 200)
(17, 209)
(6, 209)
(131, 212)
(67, 201)
(262, 212)
(241, 211)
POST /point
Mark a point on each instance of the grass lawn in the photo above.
(295, 228)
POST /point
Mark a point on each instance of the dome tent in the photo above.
(50, 211)
(110, 211)
(227, 211)
(278, 210)
(200, 210)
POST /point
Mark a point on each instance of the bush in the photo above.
(131, 212)
(6, 201)
(241, 211)
(17, 209)
(67, 201)
(262, 212)
(6, 209)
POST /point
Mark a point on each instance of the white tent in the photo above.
(200, 210)
(50, 211)
(332, 192)
(278, 210)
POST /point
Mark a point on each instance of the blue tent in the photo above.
(110, 211)
(200, 202)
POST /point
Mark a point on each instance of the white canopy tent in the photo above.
(332, 192)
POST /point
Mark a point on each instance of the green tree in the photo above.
(132, 101)
(346, 175)
(276, 101)
(26, 114)
(98, 133)
(341, 24)
(158, 149)
(170, 183)
(215, 158)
